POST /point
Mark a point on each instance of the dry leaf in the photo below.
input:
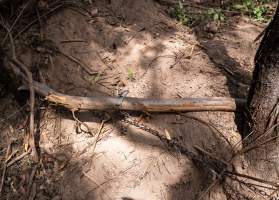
(168, 136)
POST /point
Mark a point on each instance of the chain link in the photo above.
(202, 160)
(214, 167)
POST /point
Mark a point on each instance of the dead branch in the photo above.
(32, 105)
(135, 104)
(28, 77)
(121, 103)
(138, 104)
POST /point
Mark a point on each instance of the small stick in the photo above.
(40, 21)
(11, 155)
(203, 193)
(5, 167)
(98, 135)
(83, 123)
(99, 185)
(17, 159)
(36, 20)
(32, 105)
(71, 41)
(122, 172)
(33, 192)
(14, 23)
(251, 184)
(30, 190)
(73, 59)
(212, 127)
(271, 183)
(12, 115)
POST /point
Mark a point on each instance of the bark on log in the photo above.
(139, 104)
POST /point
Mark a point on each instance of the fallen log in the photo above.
(139, 104)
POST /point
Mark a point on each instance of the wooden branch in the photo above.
(133, 104)
(139, 104)
(27, 75)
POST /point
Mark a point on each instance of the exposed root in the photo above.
(29, 80)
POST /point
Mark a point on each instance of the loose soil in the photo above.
(135, 48)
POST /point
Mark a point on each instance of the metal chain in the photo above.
(210, 165)
(202, 160)
(173, 143)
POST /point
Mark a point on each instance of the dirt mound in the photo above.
(136, 48)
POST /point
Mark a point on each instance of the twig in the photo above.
(36, 20)
(13, 114)
(122, 172)
(255, 188)
(271, 183)
(33, 192)
(30, 189)
(153, 60)
(273, 193)
(32, 142)
(177, 59)
(234, 178)
(97, 136)
(255, 144)
(202, 195)
(5, 167)
(79, 123)
(73, 59)
(233, 191)
(145, 172)
(99, 185)
(194, 5)
(55, 6)
(14, 23)
(273, 117)
(18, 158)
(211, 126)
(32, 93)
(11, 155)
(71, 41)
(241, 141)
(40, 21)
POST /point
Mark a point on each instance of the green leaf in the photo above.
(130, 74)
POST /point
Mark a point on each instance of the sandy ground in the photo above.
(136, 48)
